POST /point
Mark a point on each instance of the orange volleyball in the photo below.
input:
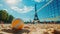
(17, 24)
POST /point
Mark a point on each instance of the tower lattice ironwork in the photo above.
(36, 19)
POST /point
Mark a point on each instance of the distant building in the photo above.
(36, 19)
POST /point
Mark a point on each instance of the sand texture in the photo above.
(31, 29)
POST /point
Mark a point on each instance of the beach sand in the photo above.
(31, 29)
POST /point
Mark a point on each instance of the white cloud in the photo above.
(12, 2)
(25, 9)
(25, 19)
(1, 4)
(40, 0)
(37, 0)
(6, 9)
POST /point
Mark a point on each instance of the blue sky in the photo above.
(24, 9)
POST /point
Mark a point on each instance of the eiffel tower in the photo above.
(36, 19)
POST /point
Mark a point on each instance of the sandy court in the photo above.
(32, 29)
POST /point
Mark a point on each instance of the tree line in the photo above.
(5, 17)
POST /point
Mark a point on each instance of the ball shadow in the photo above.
(15, 31)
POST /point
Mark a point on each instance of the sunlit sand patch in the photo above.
(33, 29)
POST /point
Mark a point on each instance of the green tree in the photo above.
(3, 15)
(10, 18)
